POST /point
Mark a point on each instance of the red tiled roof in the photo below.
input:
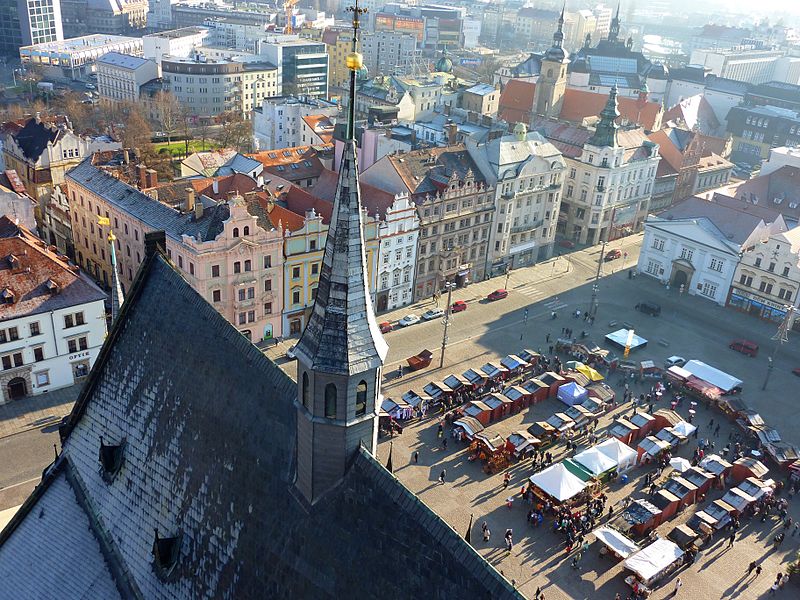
(299, 201)
(322, 126)
(285, 218)
(175, 191)
(375, 200)
(516, 101)
(38, 266)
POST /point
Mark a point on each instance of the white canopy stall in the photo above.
(654, 561)
(558, 482)
(620, 452)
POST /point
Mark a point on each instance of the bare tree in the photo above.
(170, 113)
(137, 133)
(236, 131)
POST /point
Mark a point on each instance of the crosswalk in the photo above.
(532, 291)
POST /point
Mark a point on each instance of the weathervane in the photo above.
(355, 62)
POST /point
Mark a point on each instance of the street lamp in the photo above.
(449, 286)
(780, 337)
(593, 307)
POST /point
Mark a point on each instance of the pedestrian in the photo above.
(711, 423)
(509, 539)
(486, 532)
(759, 568)
(796, 528)
(731, 539)
(678, 585)
(440, 430)
(442, 476)
(416, 457)
(716, 431)
(751, 568)
(444, 443)
(547, 341)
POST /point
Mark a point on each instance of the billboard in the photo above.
(403, 24)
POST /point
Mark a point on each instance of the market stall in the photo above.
(713, 463)
(684, 429)
(639, 518)
(561, 423)
(677, 375)
(669, 435)
(478, 410)
(530, 356)
(545, 432)
(519, 397)
(468, 426)
(757, 488)
(421, 402)
(645, 424)
(621, 453)
(750, 422)
(553, 381)
(438, 390)
(538, 390)
(582, 416)
(596, 462)
(499, 405)
(615, 543)
(494, 371)
(521, 443)
(397, 409)
(738, 499)
(782, 454)
(685, 537)
(572, 376)
(725, 382)
(732, 407)
(592, 374)
(666, 418)
(515, 364)
(579, 471)
(489, 447)
(651, 564)
(557, 483)
(476, 378)
(594, 406)
(684, 490)
(457, 383)
(748, 467)
(623, 430)
(716, 515)
(649, 370)
(702, 390)
(650, 449)
(571, 393)
(701, 478)
(601, 392)
(667, 502)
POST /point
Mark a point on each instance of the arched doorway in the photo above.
(679, 279)
(17, 388)
(383, 301)
(682, 273)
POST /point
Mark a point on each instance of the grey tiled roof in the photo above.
(209, 456)
(152, 213)
(342, 334)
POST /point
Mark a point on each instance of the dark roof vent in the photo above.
(14, 262)
(165, 553)
(52, 287)
(110, 459)
(7, 296)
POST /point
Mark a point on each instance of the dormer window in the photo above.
(52, 286)
(110, 459)
(166, 551)
(14, 262)
(7, 296)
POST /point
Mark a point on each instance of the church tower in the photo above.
(613, 32)
(605, 133)
(341, 352)
(552, 82)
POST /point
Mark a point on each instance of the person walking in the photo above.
(678, 585)
(731, 539)
(759, 568)
(509, 539)
(751, 568)
(416, 457)
(442, 476)
(547, 339)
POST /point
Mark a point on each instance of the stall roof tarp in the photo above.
(619, 544)
(474, 376)
(415, 399)
(712, 375)
(571, 393)
(623, 454)
(577, 469)
(591, 373)
(652, 560)
(515, 392)
(512, 361)
(469, 424)
(454, 382)
(558, 482)
(679, 372)
(620, 338)
(521, 439)
(595, 461)
(685, 429)
(529, 355)
(714, 463)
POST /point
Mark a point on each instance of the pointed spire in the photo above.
(117, 297)
(613, 32)
(605, 134)
(342, 336)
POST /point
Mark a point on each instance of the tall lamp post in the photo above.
(780, 337)
(449, 285)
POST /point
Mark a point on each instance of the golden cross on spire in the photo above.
(357, 12)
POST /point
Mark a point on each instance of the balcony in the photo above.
(527, 226)
(600, 187)
(509, 195)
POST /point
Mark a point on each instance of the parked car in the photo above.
(796, 371)
(386, 327)
(649, 308)
(458, 306)
(90, 86)
(433, 313)
(290, 353)
(745, 347)
(674, 361)
(612, 255)
(497, 295)
(566, 243)
(411, 319)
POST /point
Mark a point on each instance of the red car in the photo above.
(497, 295)
(566, 243)
(386, 327)
(612, 255)
(745, 347)
(458, 306)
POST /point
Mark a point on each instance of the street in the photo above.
(23, 456)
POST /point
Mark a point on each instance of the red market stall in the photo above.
(499, 404)
(595, 407)
(684, 490)
(667, 502)
(545, 432)
(582, 416)
(650, 449)
(601, 392)
(477, 410)
(576, 377)
(530, 357)
(645, 423)
(703, 389)
(732, 407)
(521, 443)
(748, 467)
(519, 397)
(701, 478)
(476, 378)
(489, 447)
(553, 381)
(438, 390)
(514, 364)
(457, 383)
(561, 423)
(738, 499)
(721, 468)
(494, 371)
(669, 435)
(783, 454)
(716, 515)
(757, 487)
(538, 390)
(666, 418)
(624, 431)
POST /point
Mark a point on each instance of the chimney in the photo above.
(141, 175)
(486, 120)
(154, 241)
(126, 156)
(215, 186)
(189, 199)
(451, 132)
(198, 210)
(152, 178)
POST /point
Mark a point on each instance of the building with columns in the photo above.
(610, 175)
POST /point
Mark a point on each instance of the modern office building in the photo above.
(76, 57)
(26, 22)
(175, 42)
(744, 63)
(302, 65)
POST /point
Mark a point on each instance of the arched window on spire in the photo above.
(330, 401)
(305, 390)
(235, 232)
(361, 398)
(246, 230)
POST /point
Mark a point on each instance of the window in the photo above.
(268, 308)
(785, 273)
(295, 272)
(716, 265)
(785, 294)
(9, 335)
(216, 296)
(248, 265)
(771, 267)
(191, 268)
(42, 379)
(73, 320)
(746, 280)
(242, 318)
(306, 390)
(652, 267)
(251, 293)
(296, 297)
(237, 267)
(241, 294)
(215, 270)
(361, 398)
(658, 244)
(268, 285)
(758, 262)
(330, 401)
(38, 354)
(687, 254)
(268, 261)
(709, 290)
(34, 327)
(180, 262)
(236, 232)
(315, 269)
(251, 316)
(246, 230)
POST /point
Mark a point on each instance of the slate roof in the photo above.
(154, 214)
(34, 137)
(695, 111)
(782, 184)
(342, 335)
(734, 224)
(219, 478)
(427, 171)
(569, 138)
(38, 266)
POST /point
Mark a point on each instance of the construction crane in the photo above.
(288, 7)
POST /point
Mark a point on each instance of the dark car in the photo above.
(649, 308)
(612, 255)
(566, 243)
(458, 306)
(745, 347)
(497, 295)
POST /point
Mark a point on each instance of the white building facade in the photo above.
(278, 121)
(175, 42)
(52, 319)
(119, 76)
(398, 235)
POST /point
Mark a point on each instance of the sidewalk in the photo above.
(34, 412)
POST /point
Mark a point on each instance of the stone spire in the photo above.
(613, 32)
(556, 52)
(117, 297)
(605, 134)
(342, 335)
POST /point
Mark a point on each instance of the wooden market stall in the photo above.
(650, 449)
(667, 502)
(701, 478)
(469, 427)
(638, 519)
(757, 488)
(457, 383)
(476, 378)
(530, 356)
(602, 392)
(684, 490)
(491, 448)
(686, 537)
(438, 390)
(715, 515)
(544, 432)
(582, 416)
(645, 424)
(499, 405)
(494, 371)
(561, 423)
(748, 467)
(515, 364)
(651, 564)
(665, 417)
(520, 397)
(520, 443)
(538, 390)
(614, 543)
(478, 410)
(738, 499)
(718, 466)
(576, 377)
(623, 430)
(553, 381)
